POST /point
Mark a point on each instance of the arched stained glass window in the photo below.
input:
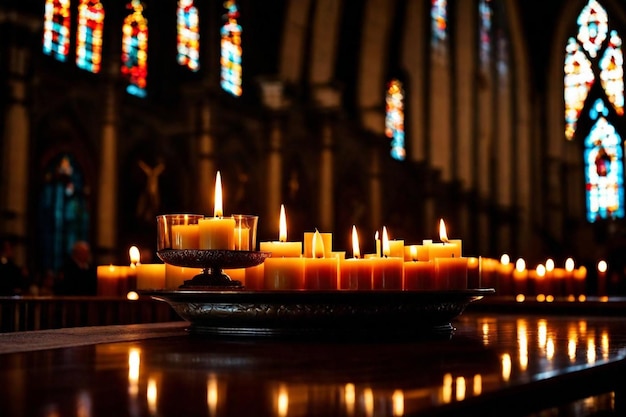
(612, 72)
(56, 30)
(439, 18)
(188, 35)
(593, 27)
(231, 51)
(604, 167)
(394, 119)
(484, 23)
(135, 50)
(89, 35)
(578, 81)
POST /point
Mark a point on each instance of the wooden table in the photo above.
(494, 365)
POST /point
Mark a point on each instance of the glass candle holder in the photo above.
(245, 231)
(178, 231)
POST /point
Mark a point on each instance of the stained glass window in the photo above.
(188, 35)
(56, 30)
(484, 24)
(604, 167)
(394, 120)
(231, 51)
(612, 72)
(439, 18)
(89, 35)
(135, 50)
(578, 81)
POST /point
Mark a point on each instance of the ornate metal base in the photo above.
(211, 279)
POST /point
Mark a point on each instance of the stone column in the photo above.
(16, 141)
(326, 191)
(274, 176)
(108, 187)
(206, 161)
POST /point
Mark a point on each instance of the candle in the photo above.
(580, 281)
(282, 248)
(175, 276)
(445, 249)
(245, 231)
(217, 232)
(130, 281)
(255, 277)
(150, 276)
(387, 271)
(285, 268)
(473, 272)
(450, 267)
(356, 272)
(186, 235)
(327, 239)
(569, 277)
(320, 272)
(418, 275)
(520, 278)
(601, 269)
(504, 284)
(109, 277)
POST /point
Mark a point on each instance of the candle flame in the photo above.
(413, 252)
(282, 230)
(355, 243)
(386, 248)
(569, 264)
(549, 265)
(505, 259)
(318, 245)
(602, 266)
(520, 265)
(133, 253)
(218, 211)
(442, 232)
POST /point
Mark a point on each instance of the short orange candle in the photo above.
(217, 232)
(356, 272)
(418, 275)
(320, 272)
(387, 272)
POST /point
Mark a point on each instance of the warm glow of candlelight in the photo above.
(549, 265)
(505, 259)
(569, 264)
(413, 252)
(318, 245)
(133, 253)
(282, 227)
(218, 210)
(602, 266)
(442, 232)
(386, 247)
(355, 243)
(520, 265)
(541, 270)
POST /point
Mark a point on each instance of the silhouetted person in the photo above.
(11, 277)
(78, 276)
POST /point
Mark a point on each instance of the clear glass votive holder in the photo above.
(245, 231)
(178, 231)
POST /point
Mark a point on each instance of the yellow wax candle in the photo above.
(185, 236)
(150, 276)
(327, 239)
(473, 273)
(217, 232)
(242, 238)
(320, 272)
(255, 277)
(520, 278)
(175, 276)
(109, 277)
(284, 273)
(445, 249)
(451, 273)
(355, 273)
(387, 272)
(418, 275)
(396, 248)
(282, 248)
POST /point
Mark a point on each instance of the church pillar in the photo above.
(375, 202)
(326, 191)
(108, 188)
(274, 176)
(16, 141)
(206, 161)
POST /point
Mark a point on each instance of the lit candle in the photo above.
(282, 248)
(217, 232)
(601, 269)
(150, 276)
(387, 271)
(186, 235)
(109, 277)
(285, 268)
(320, 272)
(504, 284)
(450, 267)
(473, 272)
(175, 276)
(356, 272)
(327, 239)
(569, 277)
(520, 278)
(418, 275)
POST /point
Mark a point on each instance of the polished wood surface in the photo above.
(494, 364)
